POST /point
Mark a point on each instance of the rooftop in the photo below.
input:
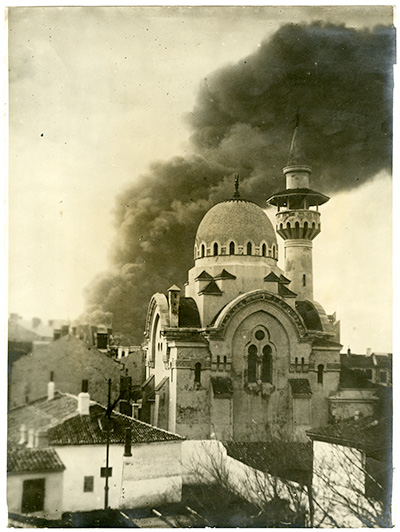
(65, 426)
(288, 460)
(24, 460)
(367, 433)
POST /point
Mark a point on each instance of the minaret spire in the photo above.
(297, 223)
(236, 194)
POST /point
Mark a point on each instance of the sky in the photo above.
(96, 95)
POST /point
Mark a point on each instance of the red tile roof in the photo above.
(24, 460)
(86, 430)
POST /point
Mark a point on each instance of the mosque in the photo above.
(245, 353)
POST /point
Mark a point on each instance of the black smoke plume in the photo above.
(340, 80)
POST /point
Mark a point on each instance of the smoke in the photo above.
(340, 80)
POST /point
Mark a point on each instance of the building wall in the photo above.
(53, 502)
(71, 361)
(86, 460)
(338, 488)
(350, 402)
(152, 475)
(330, 359)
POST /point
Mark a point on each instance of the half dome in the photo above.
(235, 227)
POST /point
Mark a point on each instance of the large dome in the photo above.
(235, 227)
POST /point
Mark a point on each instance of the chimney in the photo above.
(31, 438)
(128, 442)
(369, 351)
(349, 351)
(125, 408)
(173, 300)
(56, 334)
(84, 399)
(23, 434)
(14, 317)
(36, 322)
(102, 340)
(50, 390)
(41, 439)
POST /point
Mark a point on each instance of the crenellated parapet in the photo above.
(298, 224)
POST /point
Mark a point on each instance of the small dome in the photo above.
(236, 221)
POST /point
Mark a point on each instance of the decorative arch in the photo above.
(158, 303)
(229, 311)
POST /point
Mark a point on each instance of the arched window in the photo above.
(304, 279)
(224, 362)
(264, 250)
(203, 250)
(197, 373)
(249, 248)
(273, 252)
(232, 248)
(218, 362)
(215, 249)
(302, 363)
(266, 368)
(252, 364)
(320, 374)
(154, 339)
(296, 362)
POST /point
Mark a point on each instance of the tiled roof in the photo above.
(225, 275)
(271, 278)
(310, 315)
(284, 291)
(40, 414)
(356, 361)
(65, 426)
(353, 378)
(188, 313)
(300, 387)
(367, 433)
(383, 360)
(211, 289)
(85, 430)
(32, 460)
(289, 460)
(222, 387)
(204, 276)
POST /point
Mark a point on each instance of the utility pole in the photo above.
(108, 422)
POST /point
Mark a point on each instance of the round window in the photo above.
(260, 335)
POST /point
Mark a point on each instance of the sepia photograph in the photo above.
(199, 220)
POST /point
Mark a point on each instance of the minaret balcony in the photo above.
(298, 224)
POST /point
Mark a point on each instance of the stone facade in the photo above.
(238, 355)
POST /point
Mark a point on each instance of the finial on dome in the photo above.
(236, 194)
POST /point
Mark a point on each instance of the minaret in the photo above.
(298, 220)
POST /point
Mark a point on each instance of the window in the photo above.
(264, 250)
(304, 279)
(232, 248)
(273, 252)
(252, 364)
(197, 373)
(33, 495)
(218, 362)
(266, 367)
(368, 373)
(383, 376)
(320, 374)
(260, 335)
(203, 250)
(215, 249)
(249, 248)
(302, 363)
(88, 484)
(51, 376)
(224, 362)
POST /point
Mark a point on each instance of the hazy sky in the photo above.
(97, 94)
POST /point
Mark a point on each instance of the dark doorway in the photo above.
(33, 495)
